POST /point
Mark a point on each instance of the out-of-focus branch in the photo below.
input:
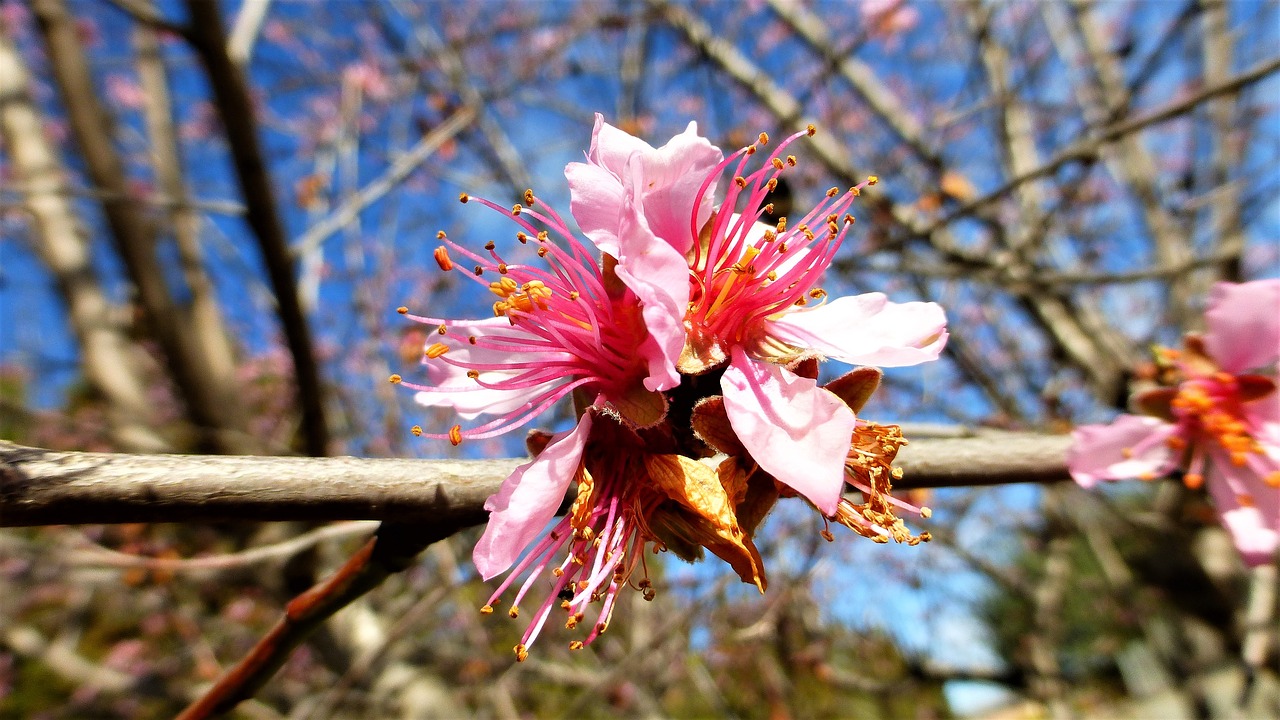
(371, 193)
(1088, 148)
(244, 34)
(235, 107)
(201, 315)
(134, 236)
(42, 487)
(62, 244)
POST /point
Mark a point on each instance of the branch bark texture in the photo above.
(43, 487)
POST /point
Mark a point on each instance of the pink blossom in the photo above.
(755, 304)
(557, 331)
(1219, 423)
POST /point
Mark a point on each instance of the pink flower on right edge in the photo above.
(1220, 422)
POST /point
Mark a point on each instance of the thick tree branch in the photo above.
(43, 487)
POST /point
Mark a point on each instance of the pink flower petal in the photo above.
(867, 330)
(1130, 447)
(795, 430)
(659, 276)
(672, 175)
(669, 179)
(1243, 324)
(595, 199)
(528, 500)
(1254, 524)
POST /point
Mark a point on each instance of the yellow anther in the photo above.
(515, 209)
(926, 512)
(740, 181)
(1193, 480)
(463, 197)
(763, 139)
(440, 235)
(833, 192)
(777, 163)
(791, 160)
(416, 430)
(573, 294)
(528, 197)
(576, 645)
(395, 379)
(522, 653)
(542, 251)
(473, 374)
(435, 350)
(490, 245)
(768, 209)
(811, 130)
(502, 268)
(443, 329)
(873, 179)
(782, 224)
(750, 149)
(455, 435)
(486, 610)
(855, 191)
(402, 310)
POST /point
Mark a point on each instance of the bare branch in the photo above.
(235, 106)
(371, 193)
(63, 246)
(42, 487)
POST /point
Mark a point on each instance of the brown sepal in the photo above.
(711, 425)
(1255, 387)
(639, 407)
(537, 441)
(1156, 402)
(856, 387)
(806, 368)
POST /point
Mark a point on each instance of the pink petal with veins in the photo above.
(528, 500)
(867, 330)
(795, 430)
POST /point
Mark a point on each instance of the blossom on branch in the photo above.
(691, 351)
(1217, 419)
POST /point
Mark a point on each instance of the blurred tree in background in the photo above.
(209, 211)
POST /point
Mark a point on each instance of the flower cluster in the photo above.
(688, 335)
(1216, 417)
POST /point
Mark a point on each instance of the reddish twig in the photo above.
(390, 551)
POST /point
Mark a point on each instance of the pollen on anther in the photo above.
(833, 192)
(443, 329)
(522, 653)
(502, 268)
(395, 379)
(763, 139)
(473, 374)
(926, 512)
(440, 235)
(486, 610)
(576, 645)
(873, 179)
(811, 130)
(455, 435)
(768, 209)
(528, 197)
(416, 430)
(791, 160)
(402, 310)
(463, 197)
(522, 238)
(515, 209)
(490, 245)
(514, 612)
(777, 163)
(442, 258)
(740, 181)
(435, 350)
